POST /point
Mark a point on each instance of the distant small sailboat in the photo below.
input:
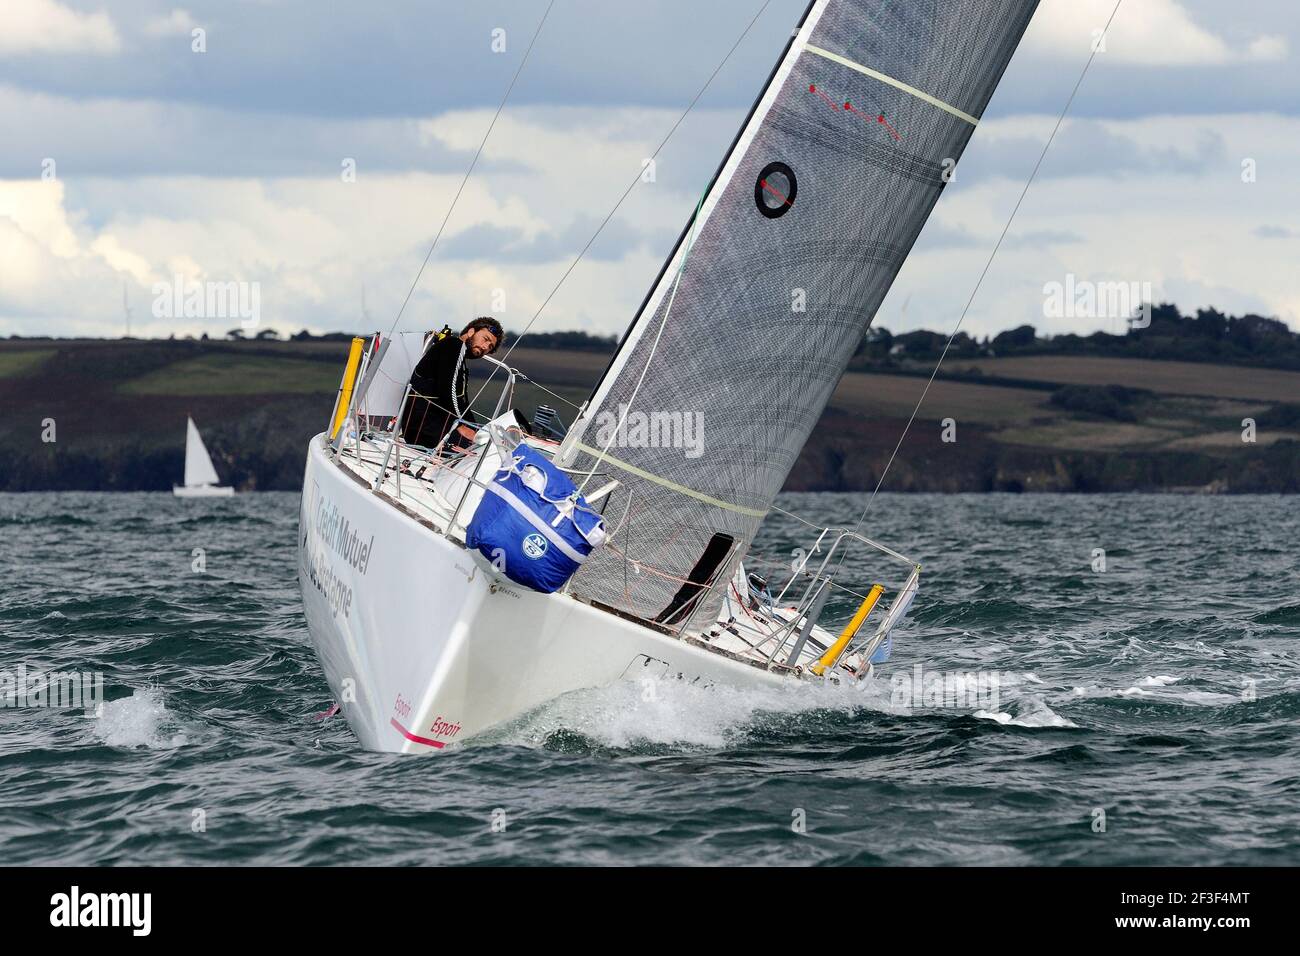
(200, 477)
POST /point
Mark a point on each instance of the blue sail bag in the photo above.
(533, 524)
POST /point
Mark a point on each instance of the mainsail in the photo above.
(198, 463)
(754, 317)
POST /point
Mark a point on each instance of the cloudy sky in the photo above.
(128, 158)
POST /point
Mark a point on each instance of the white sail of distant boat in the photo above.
(201, 479)
(428, 634)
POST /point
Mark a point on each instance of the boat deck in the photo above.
(443, 493)
(427, 487)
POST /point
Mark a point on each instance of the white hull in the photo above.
(202, 491)
(424, 646)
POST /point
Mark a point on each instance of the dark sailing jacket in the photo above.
(439, 387)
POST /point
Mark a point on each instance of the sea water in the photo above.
(1143, 651)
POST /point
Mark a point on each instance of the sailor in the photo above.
(440, 381)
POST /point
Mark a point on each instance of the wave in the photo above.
(1162, 688)
(141, 720)
(60, 520)
(984, 612)
(674, 714)
(1289, 614)
(1032, 713)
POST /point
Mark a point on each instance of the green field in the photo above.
(14, 363)
(232, 374)
(120, 407)
(1174, 378)
(876, 394)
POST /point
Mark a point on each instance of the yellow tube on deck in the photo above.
(345, 388)
(850, 630)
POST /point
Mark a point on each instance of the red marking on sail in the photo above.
(880, 118)
(774, 191)
(812, 88)
(848, 107)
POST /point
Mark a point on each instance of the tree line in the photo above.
(1207, 336)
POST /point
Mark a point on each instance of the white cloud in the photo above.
(1267, 49)
(177, 22)
(1144, 32)
(1147, 202)
(36, 209)
(1192, 232)
(68, 246)
(134, 137)
(46, 26)
(121, 259)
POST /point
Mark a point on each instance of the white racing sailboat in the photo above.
(418, 566)
(201, 479)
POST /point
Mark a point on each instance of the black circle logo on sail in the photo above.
(775, 190)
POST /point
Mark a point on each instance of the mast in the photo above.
(754, 317)
(686, 230)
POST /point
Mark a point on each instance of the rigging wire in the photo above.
(654, 347)
(473, 163)
(627, 191)
(555, 395)
(801, 518)
(996, 246)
